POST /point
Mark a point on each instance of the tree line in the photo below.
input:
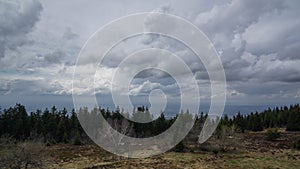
(60, 126)
(283, 117)
(49, 125)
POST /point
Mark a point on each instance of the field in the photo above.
(243, 150)
(88, 157)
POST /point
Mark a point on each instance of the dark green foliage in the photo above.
(160, 124)
(272, 135)
(143, 129)
(53, 126)
(239, 121)
(297, 144)
(179, 147)
(16, 122)
(48, 144)
(215, 151)
(293, 123)
(278, 117)
(60, 126)
(256, 122)
(77, 140)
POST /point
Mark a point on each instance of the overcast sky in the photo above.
(258, 42)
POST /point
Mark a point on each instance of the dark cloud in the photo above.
(258, 42)
(291, 52)
(257, 89)
(55, 57)
(4, 88)
(257, 39)
(236, 16)
(69, 34)
(33, 86)
(17, 18)
(152, 73)
(147, 86)
(26, 86)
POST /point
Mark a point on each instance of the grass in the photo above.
(251, 151)
(195, 160)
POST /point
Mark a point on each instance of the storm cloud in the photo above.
(17, 19)
(258, 43)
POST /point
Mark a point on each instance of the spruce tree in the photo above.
(293, 123)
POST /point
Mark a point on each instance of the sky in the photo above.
(258, 42)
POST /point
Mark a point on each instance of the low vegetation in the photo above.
(297, 143)
(54, 139)
(272, 135)
(15, 155)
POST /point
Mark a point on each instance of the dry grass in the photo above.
(280, 159)
(250, 150)
(22, 155)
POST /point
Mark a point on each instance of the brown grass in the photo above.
(250, 150)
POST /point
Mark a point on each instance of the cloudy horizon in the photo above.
(258, 43)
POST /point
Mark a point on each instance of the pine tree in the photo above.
(293, 123)
(61, 135)
(239, 122)
(256, 123)
(160, 124)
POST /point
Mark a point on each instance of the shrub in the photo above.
(22, 155)
(215, 151)
(272, 135)
(77, 141)
(297, 143)
(179, 147)
(205, 146)
(48, 144)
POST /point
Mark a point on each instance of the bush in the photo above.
(272, 135)
(22, 155)
(77, 141)
(50, 142)
(205, 146)
(179, 147)
(297, 143)
(215, 151)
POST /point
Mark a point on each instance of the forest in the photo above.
(54, 138)
(61, 126)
